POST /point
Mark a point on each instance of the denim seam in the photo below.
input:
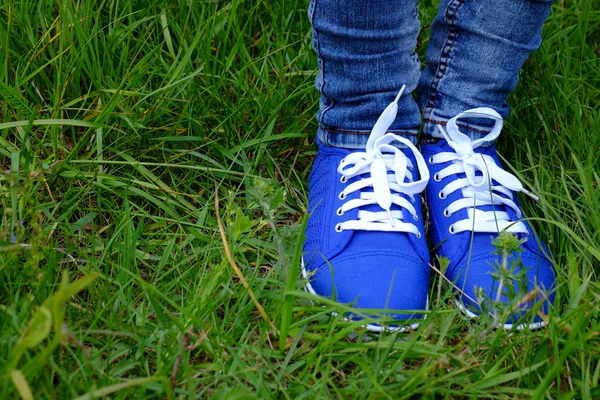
(444, 59)
(415, 55)
(346, 132)
(465, 126)
(320, 61)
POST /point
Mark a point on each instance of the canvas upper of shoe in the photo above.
(471, 198)
(365, 241)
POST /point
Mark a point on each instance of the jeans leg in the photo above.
(366, 52)
(475, 53)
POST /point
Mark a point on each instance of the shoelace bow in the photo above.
(478, 188)
(373, 165)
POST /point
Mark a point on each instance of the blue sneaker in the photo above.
(365, 241)
(471, 198)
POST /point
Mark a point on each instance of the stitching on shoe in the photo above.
(320, 270)
(486, 256)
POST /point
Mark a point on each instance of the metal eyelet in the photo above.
(413, 200)
(342, 196)
(416, 217)
(343, 179)
(340, 212)
(441, 195)
(338, 228)
(430, 159)
(418, 235)
(343, 161)
(451, 229)
(446, 213)
(436, 177)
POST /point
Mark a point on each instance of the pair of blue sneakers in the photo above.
(365, 239)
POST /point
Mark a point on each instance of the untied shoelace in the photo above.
(485, 184)
(379, 157)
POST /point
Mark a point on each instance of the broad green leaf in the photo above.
(38, 329)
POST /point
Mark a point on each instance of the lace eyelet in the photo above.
(416, 217)
(430, 160)
(343, 161)
(340, 212)
(342, 196)
(343, 179)
(338, 228)
(418, 235)
(441, 195)
(413, 200)
(436, 177)
(451, 229)
(446, 213)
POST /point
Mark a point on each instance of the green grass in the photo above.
(122, 120)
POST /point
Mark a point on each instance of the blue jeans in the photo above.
(366, 52)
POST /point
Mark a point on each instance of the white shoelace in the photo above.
(379, 158)
(479, 190)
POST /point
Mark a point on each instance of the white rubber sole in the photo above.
(378, 329)
(520, 327)
(370, 327)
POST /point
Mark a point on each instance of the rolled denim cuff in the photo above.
(357, 139)
(475, 129)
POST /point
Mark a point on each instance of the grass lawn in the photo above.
(124, 123)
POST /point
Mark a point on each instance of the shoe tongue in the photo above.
(376, 207)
